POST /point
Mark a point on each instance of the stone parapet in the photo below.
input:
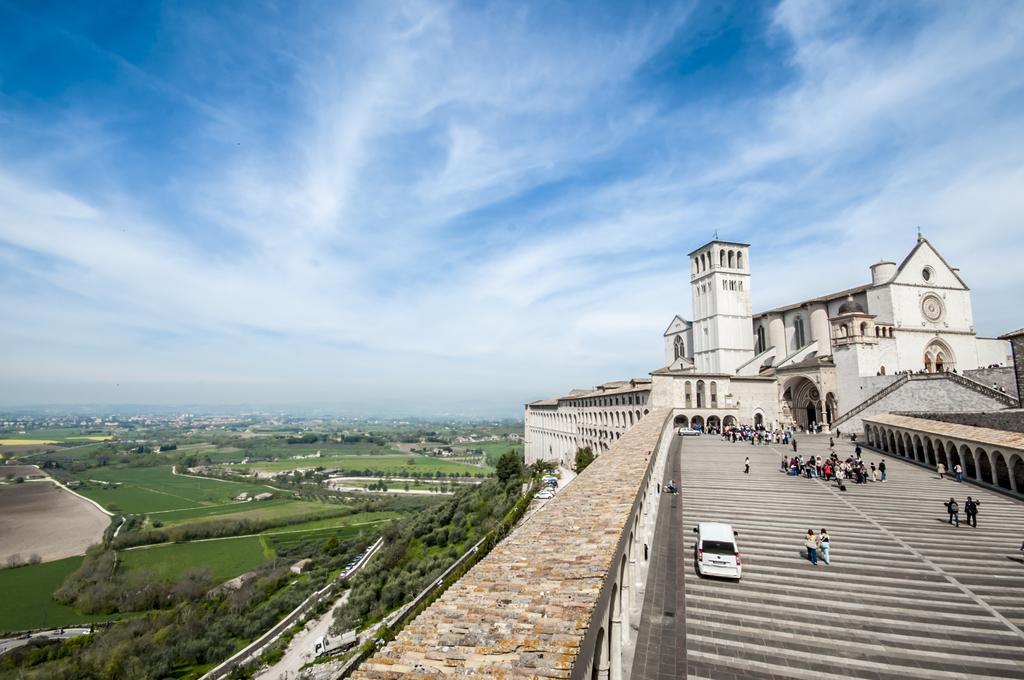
(525, 609)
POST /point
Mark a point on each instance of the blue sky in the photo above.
(433, 207)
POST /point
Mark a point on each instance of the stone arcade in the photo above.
(831, 360)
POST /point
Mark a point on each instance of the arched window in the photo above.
(739, 260)
(732, 259)
(687, 389)
(679, 346)
(799, 339)
(721, 258)
(700, 394)
(881, 371)
(864, 328)
(760, 340)
(844, 331)
(714, 394)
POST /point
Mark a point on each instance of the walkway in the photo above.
(907, 595)
(660, 650)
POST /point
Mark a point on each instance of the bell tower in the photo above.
(723, 330)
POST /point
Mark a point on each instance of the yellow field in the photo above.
(28, 442)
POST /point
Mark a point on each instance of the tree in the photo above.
(584, 457)
(510, 467)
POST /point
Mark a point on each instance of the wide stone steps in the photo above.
(907, 596)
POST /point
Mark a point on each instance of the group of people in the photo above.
(970, 509)
(757, 436)
(831, 468)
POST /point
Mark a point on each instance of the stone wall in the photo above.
(524, 610)
(1003, 377)
(935, 394)
(1008, 420)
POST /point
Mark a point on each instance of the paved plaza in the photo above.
(906, 596)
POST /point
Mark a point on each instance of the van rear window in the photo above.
(719, 547)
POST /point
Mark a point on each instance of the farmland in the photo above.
(141, 490)
(376, 465)
(223, 558)
(274, 509)
(40, 518)
(27, 597)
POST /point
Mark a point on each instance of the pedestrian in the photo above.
(811, 543)
(971, 508)
(959, 471)
(874, 473)
(826, 544)
(831, 443)
(953, 508)
(794, 444)
(941, 469)
(746, 466)
(881, 469)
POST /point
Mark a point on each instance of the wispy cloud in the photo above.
(436, 205)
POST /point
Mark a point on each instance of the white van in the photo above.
(716, 551)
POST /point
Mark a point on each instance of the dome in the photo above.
(850, 306)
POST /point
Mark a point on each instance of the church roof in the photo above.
(921, 241)
(820, 298)
(668, 331)
(851, 306)
(1012, 334)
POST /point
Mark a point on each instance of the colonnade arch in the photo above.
(985, 464)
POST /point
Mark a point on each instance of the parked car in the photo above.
(716, 552)
(544, 495)
(688, 432)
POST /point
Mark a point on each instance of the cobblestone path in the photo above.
(907, 595)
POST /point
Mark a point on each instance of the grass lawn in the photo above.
(224, 558)
(393, 464)
(27, 597)
(151, 489)
(275, 508)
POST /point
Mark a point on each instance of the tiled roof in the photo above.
(523, 611)
(1001, 439)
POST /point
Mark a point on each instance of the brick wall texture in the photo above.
(523, 611)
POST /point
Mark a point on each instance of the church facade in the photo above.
(800, 364)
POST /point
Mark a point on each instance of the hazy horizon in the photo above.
(433, 208)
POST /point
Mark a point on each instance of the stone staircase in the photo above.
(907, 595)
(995, 398)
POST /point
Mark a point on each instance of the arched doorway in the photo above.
(730, 421)
(968, 458)
(714, 424)
(1017, 465)
(938, 357)
(984, 466)
(1002, 471)
(681, 421)
(758, 420)
(697, 423)
(803, 400)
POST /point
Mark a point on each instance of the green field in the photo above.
(492, 450)
(338, 527)
(27, 597)
(152, 489)
(55, 434)
(391, 464)
(275, 508)
(224, 558)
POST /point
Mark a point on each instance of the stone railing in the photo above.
(873, 399)
(552, 599)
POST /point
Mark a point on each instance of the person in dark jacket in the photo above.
(953, 508)
(971, 508)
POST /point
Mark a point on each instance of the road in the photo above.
(8, 644)
(299, 651)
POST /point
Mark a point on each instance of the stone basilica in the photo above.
(904, 338)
